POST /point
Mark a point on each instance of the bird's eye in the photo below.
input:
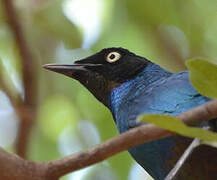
(113, 56)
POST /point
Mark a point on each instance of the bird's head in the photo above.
(103, 71)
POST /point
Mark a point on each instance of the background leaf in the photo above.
(203, 76)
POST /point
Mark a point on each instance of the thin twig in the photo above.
(28, 78)
(195, 143)
(26, 57)
(173, 173)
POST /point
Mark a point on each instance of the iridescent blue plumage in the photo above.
(153, 91)
(130, 85)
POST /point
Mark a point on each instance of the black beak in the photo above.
(69, 69)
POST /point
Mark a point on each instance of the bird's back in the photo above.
(166, 93)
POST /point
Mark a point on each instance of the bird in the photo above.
(130, 85)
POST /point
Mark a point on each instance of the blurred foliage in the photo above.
(2, 16)
(50, 18)
(165, 31)
(55, 115)
(10, 61)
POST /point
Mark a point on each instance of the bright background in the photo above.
(69, 118)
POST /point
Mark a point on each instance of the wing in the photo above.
(173, 95)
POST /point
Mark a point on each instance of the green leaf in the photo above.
(173, 124)
(203, 76)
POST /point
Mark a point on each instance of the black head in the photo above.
(103, 71)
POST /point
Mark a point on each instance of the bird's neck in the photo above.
(145, 78)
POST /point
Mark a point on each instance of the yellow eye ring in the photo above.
(113, 57)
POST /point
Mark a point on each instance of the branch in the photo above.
(25, 170)
(28, 79)
(13, 167)
(127, 140)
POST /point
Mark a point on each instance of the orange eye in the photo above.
(113, 56)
